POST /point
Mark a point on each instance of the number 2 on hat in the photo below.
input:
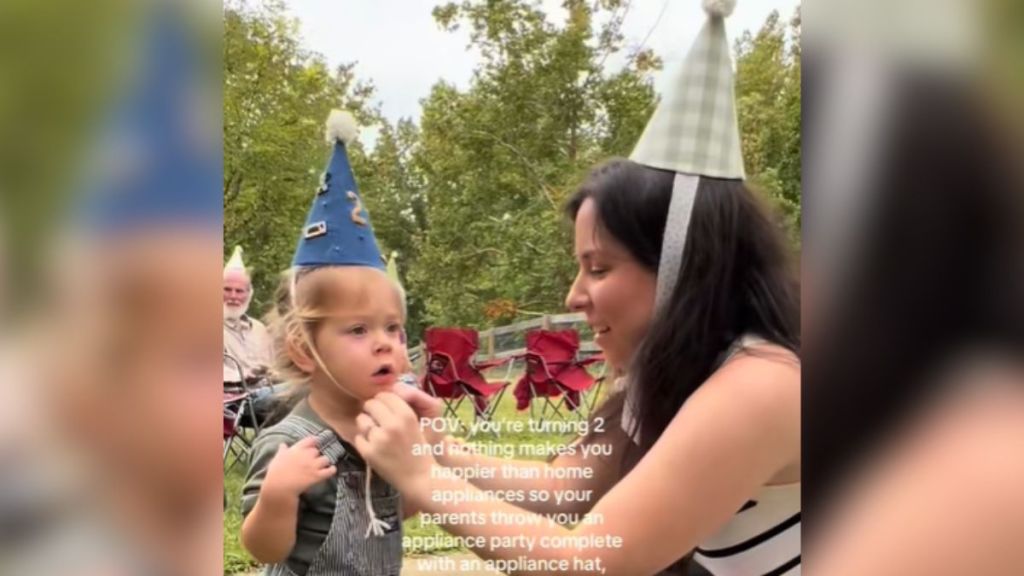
(357, 209)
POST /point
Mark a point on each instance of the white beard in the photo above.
(234, 312)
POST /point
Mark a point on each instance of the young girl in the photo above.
(311, 505)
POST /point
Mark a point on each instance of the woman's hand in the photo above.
(388, 432)
(425, 406)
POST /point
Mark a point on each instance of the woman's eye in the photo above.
(597, 272)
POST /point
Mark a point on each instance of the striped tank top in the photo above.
(762, 539)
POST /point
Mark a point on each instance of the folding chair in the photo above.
(237, 445)
(452, 376)
(241, 424)
(556, 377)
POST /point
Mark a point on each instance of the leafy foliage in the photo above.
(471, 197)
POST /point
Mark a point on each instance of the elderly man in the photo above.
(247, 344)
(246, 340)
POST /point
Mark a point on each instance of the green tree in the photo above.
(498, 160)
(471, 198)
(768, 104)
(392, 189)
(276, 99)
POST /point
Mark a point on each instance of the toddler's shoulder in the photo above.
(289, 430)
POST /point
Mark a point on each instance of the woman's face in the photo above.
(614, 290)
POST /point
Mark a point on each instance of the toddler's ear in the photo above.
(299, 354)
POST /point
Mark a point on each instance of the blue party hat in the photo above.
(338, 230)
(159, 158)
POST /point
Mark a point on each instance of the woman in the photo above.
(687, 286)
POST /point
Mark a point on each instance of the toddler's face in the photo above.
(360, 341)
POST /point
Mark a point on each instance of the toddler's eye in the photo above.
(394, 328)
(357, 330)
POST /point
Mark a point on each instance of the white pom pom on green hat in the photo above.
(719, 8)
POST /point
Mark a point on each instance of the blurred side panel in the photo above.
(111, 179)
(913, 311)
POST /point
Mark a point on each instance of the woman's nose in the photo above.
(576, 300)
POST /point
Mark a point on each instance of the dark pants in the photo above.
(266, 402)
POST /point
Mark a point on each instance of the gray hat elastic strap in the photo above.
(677, 225)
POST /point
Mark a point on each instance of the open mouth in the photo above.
(385, 370)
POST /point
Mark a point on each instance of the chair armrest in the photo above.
(543, 364)
(488, 364)
(451, 363)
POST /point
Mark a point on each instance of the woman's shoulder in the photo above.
(759, 368)
(752, 346)
(750, 409)
(757, 387)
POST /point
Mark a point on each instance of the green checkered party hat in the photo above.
(694, 129)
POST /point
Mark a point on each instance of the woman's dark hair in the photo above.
(736, 278)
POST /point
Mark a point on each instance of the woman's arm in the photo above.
(525, 474)
(561, 474)
(729, 439)
(944, 498)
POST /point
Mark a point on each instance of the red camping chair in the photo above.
(240, 422)
(452, 375)
(556, 376)
(237, 445)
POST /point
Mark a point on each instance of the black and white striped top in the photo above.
(763, 538)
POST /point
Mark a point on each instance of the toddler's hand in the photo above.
(295, 469)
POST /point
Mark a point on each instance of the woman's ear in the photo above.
(298, 352)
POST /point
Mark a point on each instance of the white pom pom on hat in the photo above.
(719, 8)
(341, 125)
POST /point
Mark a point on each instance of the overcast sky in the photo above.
(398, 46)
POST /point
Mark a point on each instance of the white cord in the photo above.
(376, 526)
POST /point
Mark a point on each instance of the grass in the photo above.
(237, 560)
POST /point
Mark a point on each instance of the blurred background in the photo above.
(912, 294)
(110, 234)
